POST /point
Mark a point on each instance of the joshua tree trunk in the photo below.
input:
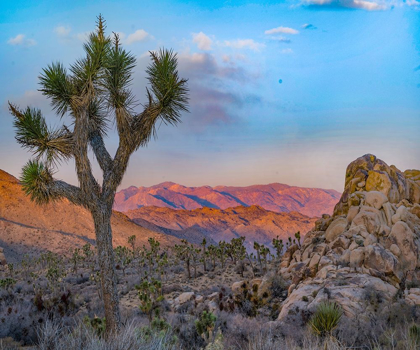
(103, 230)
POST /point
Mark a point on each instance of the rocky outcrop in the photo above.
(371, 242)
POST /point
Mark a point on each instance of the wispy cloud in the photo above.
(348, 4)
(213, 101)
(21, 40)
(137, 36)
(283, 30)
(287, 51)
(281, 39)
(309, 26)
(62, 31)
(244, 44)
(202, 40)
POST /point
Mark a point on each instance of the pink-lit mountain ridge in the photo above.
(275, 197)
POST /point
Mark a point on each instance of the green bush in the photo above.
(326, 318)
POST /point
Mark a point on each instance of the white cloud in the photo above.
(138, 35)
(354, 4)
(62, 31)
(244, 44)
(412, 3)
(283, 30)
(202, 40)
(21, 40)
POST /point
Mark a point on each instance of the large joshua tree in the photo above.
(94, 93)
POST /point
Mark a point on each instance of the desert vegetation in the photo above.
(188, 297)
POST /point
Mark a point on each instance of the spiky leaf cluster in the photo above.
(326, 318)
(36, 179)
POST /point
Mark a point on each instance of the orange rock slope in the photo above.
(275, 197)
(28, 228)
(254, 222)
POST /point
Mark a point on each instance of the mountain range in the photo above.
(167, 212)
(254, 223)
(275, 197)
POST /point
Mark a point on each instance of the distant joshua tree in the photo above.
(95, 93)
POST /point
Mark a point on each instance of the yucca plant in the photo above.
(326, 318)
(414, 332)
(95, 93)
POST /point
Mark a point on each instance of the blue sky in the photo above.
(349, 72)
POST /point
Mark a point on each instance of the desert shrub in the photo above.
(56, 337)
(278, 287)
(184, 328)
(97, 324)
(326, 318)
(7, 283)
(372, 296)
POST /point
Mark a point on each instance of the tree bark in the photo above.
(102, 220)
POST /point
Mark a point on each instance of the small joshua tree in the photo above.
(205, 326)
(124, 257)
(185, 252)
(203, 258)
(75, 259)
(150, 296)
(132, 242)
(95, 93)
(278, 246)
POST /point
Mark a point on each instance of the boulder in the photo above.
(335, 229)
(375, 199)
(340, 242)
(402, 236)
(356, 257)
(184, 297)
(378, 181)
(379, 259)
(400, 215)
(353, 211)
(370, 218)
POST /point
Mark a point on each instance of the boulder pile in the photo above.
(369, 245)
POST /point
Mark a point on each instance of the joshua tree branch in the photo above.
(101, 153)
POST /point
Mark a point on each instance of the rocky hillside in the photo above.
(370, 244)
(61, 226)
(254, 222)
(274, 197)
